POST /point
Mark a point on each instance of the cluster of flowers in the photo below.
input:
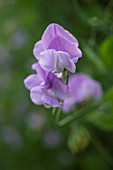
(57, 53)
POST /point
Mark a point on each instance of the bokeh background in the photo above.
(29, 137)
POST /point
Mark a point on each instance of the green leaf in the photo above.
(103, 120)
(80, 113)
(94, 58)
(103, 117)
(109, 95)
(106, 52)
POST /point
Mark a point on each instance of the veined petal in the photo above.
(54, 30)
(38, 48)
(32, 81)
(64, 61)
(48, 60)
(61, 44)
(36, 95)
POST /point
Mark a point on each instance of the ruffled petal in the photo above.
(32, 81)
(49, 100)
(53, 61)
(48, 35)
(54, 30)
(58, 89)
(36, 95)
(48, 60)
(61, 44)
(70, 37)
(64, 62)
(41, 73)
(38, 48)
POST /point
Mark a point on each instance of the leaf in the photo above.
(93, 57)
(106, 52)
(102, 120)
(103, 117)
(109, 95)
(80, 113)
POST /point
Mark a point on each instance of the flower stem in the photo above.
(54, 110)
(58, 115)
(80, 113)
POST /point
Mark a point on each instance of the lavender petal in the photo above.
(32, 81)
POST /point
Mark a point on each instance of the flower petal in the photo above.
(32, 81)
(41, 73)
(49, 100)
(38, 48)
(64, 61)
(58, 89)
(62, 44)
(54, 30)
(48, 60)
(53, 61)
(36, 95)
(70, 37)
(81, 87)
(68, 104)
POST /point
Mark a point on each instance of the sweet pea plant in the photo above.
(57, 53)
(55, 83)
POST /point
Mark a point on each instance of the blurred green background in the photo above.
(29, 138)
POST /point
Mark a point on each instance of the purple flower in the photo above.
(57, 50)
(45, 88)
(81, 87)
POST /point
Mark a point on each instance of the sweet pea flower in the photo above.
(81, 87)
(46, 89)
(57, 50)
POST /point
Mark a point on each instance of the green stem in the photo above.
(92, 36)
(80, 113)
(79, 11)
(58, 115)
(54, 110)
